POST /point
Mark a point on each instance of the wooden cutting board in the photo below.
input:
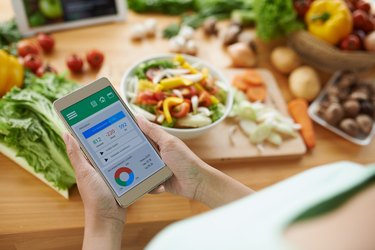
(216, 144)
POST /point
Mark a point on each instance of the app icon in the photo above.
(102, 99)
(71, 115)
(94, 104)
(110, 95)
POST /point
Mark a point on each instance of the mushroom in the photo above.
(150, 27)
(365, 123)
(351, 108)
(350, 126)
(137, 32)
(334, 113)
(231, 34)
(210, 27)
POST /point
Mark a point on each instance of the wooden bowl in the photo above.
(326, 57)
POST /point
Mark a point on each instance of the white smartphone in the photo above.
(111, 139)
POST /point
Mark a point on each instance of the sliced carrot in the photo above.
(239, 83)
(298, 110)
(256, 93)
(253, 77)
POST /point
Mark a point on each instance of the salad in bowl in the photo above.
(181, 93)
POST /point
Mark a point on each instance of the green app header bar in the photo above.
(89, 106)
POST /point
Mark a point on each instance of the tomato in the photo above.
(45, 69)
(180, 110)
(205, 99)
(74, 63)
(360, 19)
(25, 48)
(160, 96)
(351, 42)
(46, 42)
(302, 6)
(32, 62)
(189, 92)
(95, 58)
(147, 97)
(362, 5)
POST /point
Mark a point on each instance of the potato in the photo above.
(285, 59)
(304, 83)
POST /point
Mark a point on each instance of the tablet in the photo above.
(34, 16)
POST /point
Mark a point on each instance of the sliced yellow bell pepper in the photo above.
(174, 82)
(187, 66)
(205, 73)
(329, 20)
(214, 100)
(146, 85)
(179, 59)
(167, 104)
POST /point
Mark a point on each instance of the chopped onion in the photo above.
(157, 78)
(178, 93)
(160, 119)
(144, 113)
(177, 72)
(204, 111)
(194, 104)
(193, 77)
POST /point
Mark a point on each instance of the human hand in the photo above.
(186, 166)
(97, 199)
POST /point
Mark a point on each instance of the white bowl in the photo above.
(183, 133)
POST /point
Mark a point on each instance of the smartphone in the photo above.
(112, 141)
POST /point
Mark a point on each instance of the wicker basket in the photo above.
(326, 57)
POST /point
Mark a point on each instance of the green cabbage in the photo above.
(30, 126)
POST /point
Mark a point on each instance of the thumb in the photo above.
(78, 160)
(153, 131)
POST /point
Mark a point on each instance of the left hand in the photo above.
(97, 199)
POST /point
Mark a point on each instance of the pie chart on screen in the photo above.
(124, 176)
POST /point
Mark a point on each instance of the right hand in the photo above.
(185, 165)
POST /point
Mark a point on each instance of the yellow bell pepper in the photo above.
(179, 59)
(146, 85)
(174, 82)
(11, 72)
(329, 20)
(167, 104)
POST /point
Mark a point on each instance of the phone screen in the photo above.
(113, 140)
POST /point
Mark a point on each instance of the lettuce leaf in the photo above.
(30, 126)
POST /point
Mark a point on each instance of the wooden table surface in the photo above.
(33, 216)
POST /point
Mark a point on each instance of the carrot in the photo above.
(239, 83)
(256, 93)
(252, 77)
(298, 110)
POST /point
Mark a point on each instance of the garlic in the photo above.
(190, 48)
(186, 32)
(176, 44)
(137, 32)
(150, 27)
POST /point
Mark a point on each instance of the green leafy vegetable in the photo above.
(275, 18)
(30, 126)
(171, 7)
(217, 111)
(171, 30)
(9, 35)
(169, 125)
(149, 108)
(161, 64)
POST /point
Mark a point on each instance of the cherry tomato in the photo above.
(45, 69)
(46, 42)
(32, 62)
(25, 48)
(95, 58)
(351, 42)
(205, 99)
(181, 110)
(359, 19)
(302, 6)
(362, 5)
(147, 97)
(160, 96)
(189, 92)
(74, 63)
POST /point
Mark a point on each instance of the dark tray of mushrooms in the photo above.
(347, 107)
